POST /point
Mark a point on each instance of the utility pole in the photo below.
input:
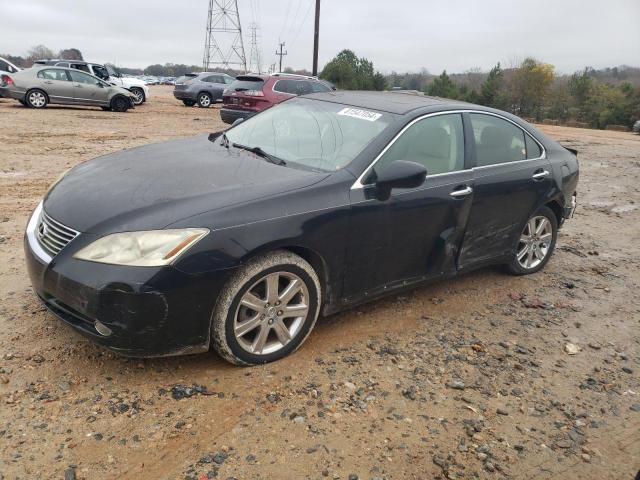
(281, 54)
(316, 39)
(223, 29)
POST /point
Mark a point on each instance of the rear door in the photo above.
(417, 233)
(57, 84)
(89, 90)
(512, 178)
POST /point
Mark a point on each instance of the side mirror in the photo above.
(237, 121)
(399, 174)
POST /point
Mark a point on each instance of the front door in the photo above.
(416, 234)
(89, 90)
(511, 179)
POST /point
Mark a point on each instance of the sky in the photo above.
(399, 35)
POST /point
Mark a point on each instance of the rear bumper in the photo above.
(184, 95)
(6, 92)
(230, 115)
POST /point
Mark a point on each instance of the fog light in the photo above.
(102, 329)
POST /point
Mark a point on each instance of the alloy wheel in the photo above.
(204, 100)
(37, 99)
(139, 94)
(271, 313)
(535, 242)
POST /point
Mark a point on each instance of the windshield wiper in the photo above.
(261, 153)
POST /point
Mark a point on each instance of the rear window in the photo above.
(247, 83)
(185, 78)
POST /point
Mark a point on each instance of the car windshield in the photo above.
(313, 134)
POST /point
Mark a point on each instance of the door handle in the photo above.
(48, 82)
(461, 193)
(540, 175)
(78, 85)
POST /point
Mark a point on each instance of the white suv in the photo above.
(108, 74)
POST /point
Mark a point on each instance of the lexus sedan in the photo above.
(39, 86)
(240, 240)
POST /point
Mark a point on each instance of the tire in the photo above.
(529, 250)
(249, 285)
(119, 104)
(106, 109)
(189, 103)
(23, 103)
(139, 94)
(36, 98)
(204, 100)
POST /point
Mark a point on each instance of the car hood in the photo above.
(133, 81)
(156, 185)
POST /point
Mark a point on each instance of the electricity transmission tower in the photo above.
(254, 51)
(223, 44)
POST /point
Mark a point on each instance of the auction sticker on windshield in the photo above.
(357, 113)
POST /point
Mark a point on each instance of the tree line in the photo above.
(532, 89)
(594, 98)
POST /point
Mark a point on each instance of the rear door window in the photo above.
(292, 87)
(497, 140)
(80, 66)
(54, 74)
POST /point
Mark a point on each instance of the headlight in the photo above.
(142, 249)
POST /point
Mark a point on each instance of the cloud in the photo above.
(402, 36)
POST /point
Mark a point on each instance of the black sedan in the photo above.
(239, 240)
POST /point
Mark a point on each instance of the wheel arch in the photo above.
(311, 256)
(556, 208)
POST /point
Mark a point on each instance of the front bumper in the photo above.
(147, 311)
(230, 115)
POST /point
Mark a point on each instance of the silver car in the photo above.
(38, 86)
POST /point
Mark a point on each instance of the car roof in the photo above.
(391, 102)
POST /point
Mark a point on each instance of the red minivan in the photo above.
(251, 94)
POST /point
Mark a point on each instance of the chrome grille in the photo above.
(52, 235)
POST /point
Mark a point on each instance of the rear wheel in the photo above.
(36, 99)
(204, 100)
(536, 243)
(188, 103)
(139, 95)
(266, 310)
(120, 104)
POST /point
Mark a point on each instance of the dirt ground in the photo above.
(468, 378)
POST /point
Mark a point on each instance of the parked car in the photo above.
(38, 86)
(636, 127)
(7, 67)
(240, 240)
(203, 89)
(251, 94)
(106, 73)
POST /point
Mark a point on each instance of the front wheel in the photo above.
(138, 93)
(536, 243)
(120, 104)
(266, 310)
